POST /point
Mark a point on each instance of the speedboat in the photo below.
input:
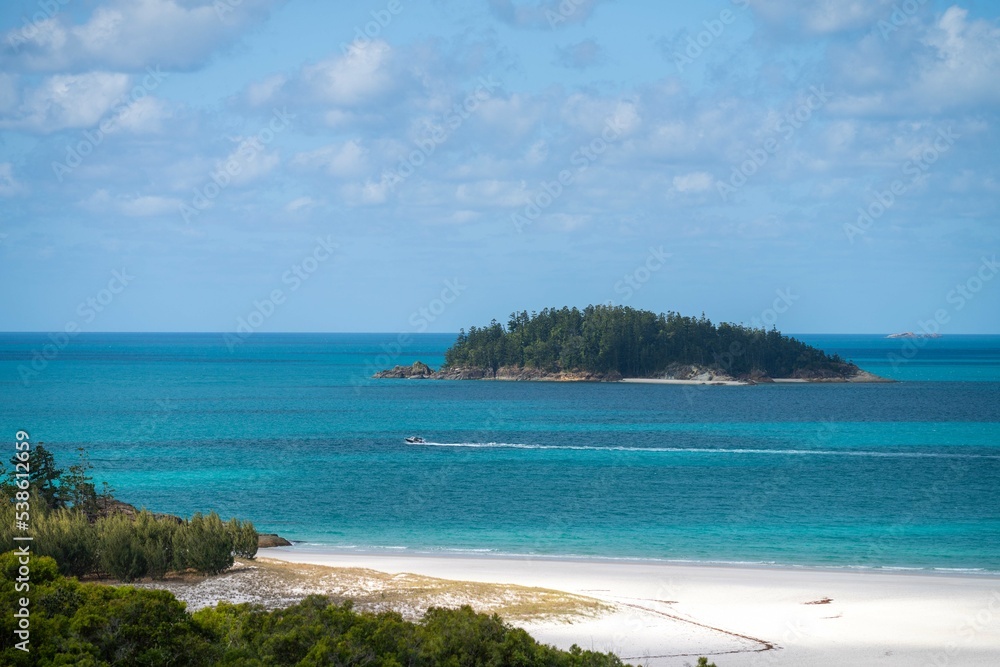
(414, 440)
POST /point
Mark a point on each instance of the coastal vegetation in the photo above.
(91, 533)
(88, 624)
(625, 342)
(78, 532)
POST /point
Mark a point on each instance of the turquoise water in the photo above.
(288, 430)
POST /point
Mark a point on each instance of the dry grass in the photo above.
(276, 584)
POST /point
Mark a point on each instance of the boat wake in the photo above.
(709, 450)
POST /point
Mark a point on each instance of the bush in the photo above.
(91, 624)
(69, 538)
(244, 537)
(318, 632)
(156, 539)
(121, 554)
(203, 543)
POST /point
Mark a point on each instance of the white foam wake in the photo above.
(708, 450)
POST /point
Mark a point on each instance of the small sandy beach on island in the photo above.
(727, 383)
(668, 614)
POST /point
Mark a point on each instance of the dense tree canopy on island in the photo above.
(637, 343)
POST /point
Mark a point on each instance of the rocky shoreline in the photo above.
(681, 373)
(115, 506)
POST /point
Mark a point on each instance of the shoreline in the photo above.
(738, 615)
(683, 375)
(322, 551)
(720, 383)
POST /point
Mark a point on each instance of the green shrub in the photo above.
(91, 624)
(156, 539)
(317, 632)
(120, 552)
(244, 537)
(69, 538)
(204, 544)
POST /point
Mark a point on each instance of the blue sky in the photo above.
(824, 166)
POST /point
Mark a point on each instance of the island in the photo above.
(910, 334)
(618, 343)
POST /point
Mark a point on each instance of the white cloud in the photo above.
(546, 14)
(696, 181)
(947, 64)
(581, 55)
(593, 114)
(139, 206)
(301, 204)
(248, 162)
(9, 94)
(366, 194)
(67, 101)
(493, 193)
(511, 117)
(966, 59)
(264, 91)
(821, 17)
(131, 35)
(356, 77)
(345, 160)
(9, 186)
(144, 115)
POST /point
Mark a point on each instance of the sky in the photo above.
(821, 166)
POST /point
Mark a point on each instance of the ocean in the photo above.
(287, 430)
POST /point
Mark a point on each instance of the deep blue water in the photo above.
(287, 430)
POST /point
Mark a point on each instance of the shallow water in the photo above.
(288, 430)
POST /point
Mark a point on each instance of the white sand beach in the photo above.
(668, 614)
(726, 383)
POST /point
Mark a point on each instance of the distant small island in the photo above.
(910, 334)
(616, 343)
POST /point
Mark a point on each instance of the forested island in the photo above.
(610, 343)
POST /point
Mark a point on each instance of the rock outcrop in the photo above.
(686, 372)
(110, 506)
(421, 371)
(910, 334)
(267, 540)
